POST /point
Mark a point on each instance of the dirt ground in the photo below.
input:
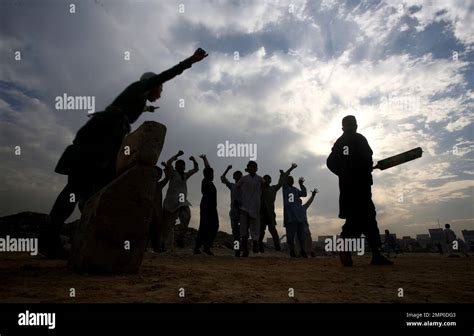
(267, 278)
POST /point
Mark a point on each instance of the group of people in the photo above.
(252, 208)
(89, 164)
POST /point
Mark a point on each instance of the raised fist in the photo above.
(198, 55)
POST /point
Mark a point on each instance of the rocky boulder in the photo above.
(142, 146)
(113, 230)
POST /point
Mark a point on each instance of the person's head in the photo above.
(208, 173)
(387, 232)
(252, 167)
(237, 175)
(154, 93)
(180, 166)
(290, 180)
(349, 124)
(267, 180)
(447, 226)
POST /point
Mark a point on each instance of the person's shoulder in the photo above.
(133, 88)
(341, 140)
(135, 85)
(360, 137)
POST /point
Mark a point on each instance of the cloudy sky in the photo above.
(404, 69)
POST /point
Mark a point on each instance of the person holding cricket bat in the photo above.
(351, 161)
(89, 162)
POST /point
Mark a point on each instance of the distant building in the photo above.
(469, 238)
(393, 235)
(438, 239)
(424, 241)
(437, 235)
(407, 243)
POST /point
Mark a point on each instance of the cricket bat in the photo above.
(396, 160)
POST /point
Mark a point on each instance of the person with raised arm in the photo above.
(156, 223)
(208, 218)
(234, 212)
(176, 204)
(308, 237)
(249, 191)
(89, 162)
(293, 214)
(267, 212)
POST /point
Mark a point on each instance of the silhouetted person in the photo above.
(308, 237)
(294, 215)
(449, 239)
(390, 243)
(176, 204)
(234, 212)
(156, 223)
(90, 161)
(267, 211)
(351, 161)
(208, 219)
(249, 191)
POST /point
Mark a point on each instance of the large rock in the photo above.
(117, 215)
(144, 146)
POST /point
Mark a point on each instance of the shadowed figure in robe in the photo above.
(234, 213)
(267, 211)
(208, 217)
(351, 161)
(176, 204)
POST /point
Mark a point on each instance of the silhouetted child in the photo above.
(450, 237)
(234, 212)
(249, 191)
(307, 231)
(209, 219)
(294, 215)
(176, 204)
(267, 211)
(156, 223)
